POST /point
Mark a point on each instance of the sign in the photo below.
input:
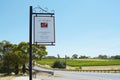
(44, 29)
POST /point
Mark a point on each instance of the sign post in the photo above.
(30, 45)
(44, 30)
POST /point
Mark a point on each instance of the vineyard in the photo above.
(82, 62)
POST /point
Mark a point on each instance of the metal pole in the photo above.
(30, 44)
(65, 61)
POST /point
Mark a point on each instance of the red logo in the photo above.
(44, 24)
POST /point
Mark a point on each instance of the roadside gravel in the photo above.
(7, 78)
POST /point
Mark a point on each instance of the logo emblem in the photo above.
(44, 24)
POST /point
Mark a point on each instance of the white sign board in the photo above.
(44, 29)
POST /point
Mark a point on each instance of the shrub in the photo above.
(59, 64)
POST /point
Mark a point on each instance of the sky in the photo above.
(83, 27)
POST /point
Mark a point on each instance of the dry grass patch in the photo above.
(101, 68)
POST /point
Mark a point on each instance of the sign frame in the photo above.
(46, 34)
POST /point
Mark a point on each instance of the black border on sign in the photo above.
(45, 43)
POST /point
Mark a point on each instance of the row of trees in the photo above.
(99, 57)
(75, 56)
(14, 57)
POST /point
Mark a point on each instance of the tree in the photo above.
(6, 50)
(20, 60)
(67, 57)
(1, 48)
(0, 56)
(115, 57)
(7, 62)
(58, 56)
(102, 56)
(13, 56)
(5, 46)
(83, 57)
(50, 57)
(24, 48)
(17, 61)
(39, 52)
(74, 56)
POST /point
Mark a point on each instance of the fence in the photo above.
(102, 71)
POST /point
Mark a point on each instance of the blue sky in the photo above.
(83, 27)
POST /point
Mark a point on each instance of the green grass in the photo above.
(82, 62)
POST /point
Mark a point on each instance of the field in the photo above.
(82, 62)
